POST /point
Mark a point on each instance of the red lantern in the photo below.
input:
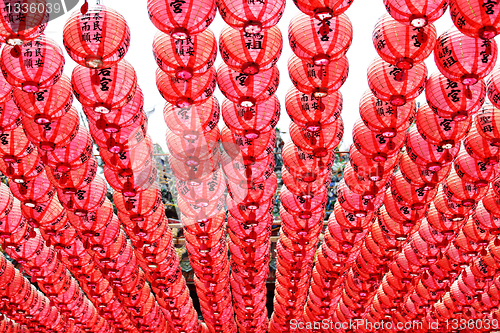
(251, 17)
(242, 148)
(355, 203)
(10, 116)
(427, 155)
(464, 59)
(85, 199)
(442, 132)
(22, 169)
(117, 139)
(250, 122)
(184, 93)
(121, 117)
(364, 186)
(47, 104)
(37, 65)
(305, 110)
(18, 29)
(250, 53)
(185, 58)
(130, 185)
(324, 9)
(34, 191)
(480, 148)
(384, 118)
(376, 146)
(474, 171)
(182, 19)
(389, 83)
(318, 143)
(15, 144)
(188, 122)
(130, 160)
(458, 191)
(247, 90)
(305, 166)
(70, 181)
(318, 80)
(192, 151)
(407, 194)
(76, 153)
(55, 134)
(419, 176)
(453, 100)
(247, 171)
(81, 30)
(417, 13)
(105, 88)
(403, 45)
(320, 41)
(366, 167)
(476, 19)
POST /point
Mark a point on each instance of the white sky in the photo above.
(363, 15)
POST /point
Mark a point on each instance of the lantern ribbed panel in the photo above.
(98, 38)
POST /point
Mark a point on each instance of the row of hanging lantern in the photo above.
(372, 238)
(113, 102)
(33, 69)
(185, 51)
(431, 147)
(250, 48)
(319, 38)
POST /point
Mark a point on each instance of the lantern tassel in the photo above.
(85, 8)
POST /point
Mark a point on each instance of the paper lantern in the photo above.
(105, 88)
(323, 10)
(250, 53)
(45, 105)
(486, 124)
(247, 90)
(185, 58)
(192, 151)
(252, 121)
(130, 185)
(15, 144)
(246, 150)
(417, 13)
(22, 169)
(453, 100)
(464, 59)
(34, 191)
(318, 80)
(402, 45)
(129, 160)
(18, 29)
(251, 17)
(366, 167)
(37, 65)
(384, 118)
(305, 166)
(440, 131)
(55, 134)
(320, 41)
(480, 148)
(308, 111)
(374, 145)
(389, 83)
(318, 143)
(182, 19)
(476, 19)
(121, 117)
(70, 181)
(98, 38)
(184, 93)
(77, 152)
